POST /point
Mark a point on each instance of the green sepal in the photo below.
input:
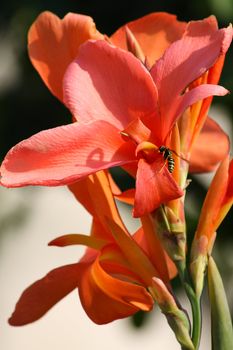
(221, 326)
(180, 326)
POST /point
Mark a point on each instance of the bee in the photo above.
(167, 155)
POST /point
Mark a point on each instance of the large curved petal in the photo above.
(197, 28)
(100, 185)
(80, 191)
(99, 233)
(213, 75)
(107, 83)
(114, 263)
(136, 131)
(154, 186)
(197, 94)
(53, 43)
(154, 32)
(97, 197)
(184, 61)
(147, 239)
(211, 147)
(65, 154)
(106, 298)
(133, 253)
(98, 230)
(42, 295)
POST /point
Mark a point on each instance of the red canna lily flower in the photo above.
(116, 269)
(51, 39)
(126, 115)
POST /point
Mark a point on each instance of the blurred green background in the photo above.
(26, 106)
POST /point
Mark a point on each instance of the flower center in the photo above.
(147, 150)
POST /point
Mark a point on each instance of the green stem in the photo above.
(195, 304)
(196, 312)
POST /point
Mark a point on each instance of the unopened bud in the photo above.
(133, 45)
(201, 248)
(177, 318)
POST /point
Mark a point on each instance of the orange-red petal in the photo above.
(174, 72)
(81, 193)
(154, 186)
(106, 298)
(65, 154)
(42, 295)
(211, 147)
(53, 43)
(126, 196)
(78, 239)
(133, 253)
(228, 198)
(154, 33)
(153, 247)
(96, 86)
(213, 201)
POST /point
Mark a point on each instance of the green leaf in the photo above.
(221, 326)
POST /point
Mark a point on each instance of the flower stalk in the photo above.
(195, 303)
